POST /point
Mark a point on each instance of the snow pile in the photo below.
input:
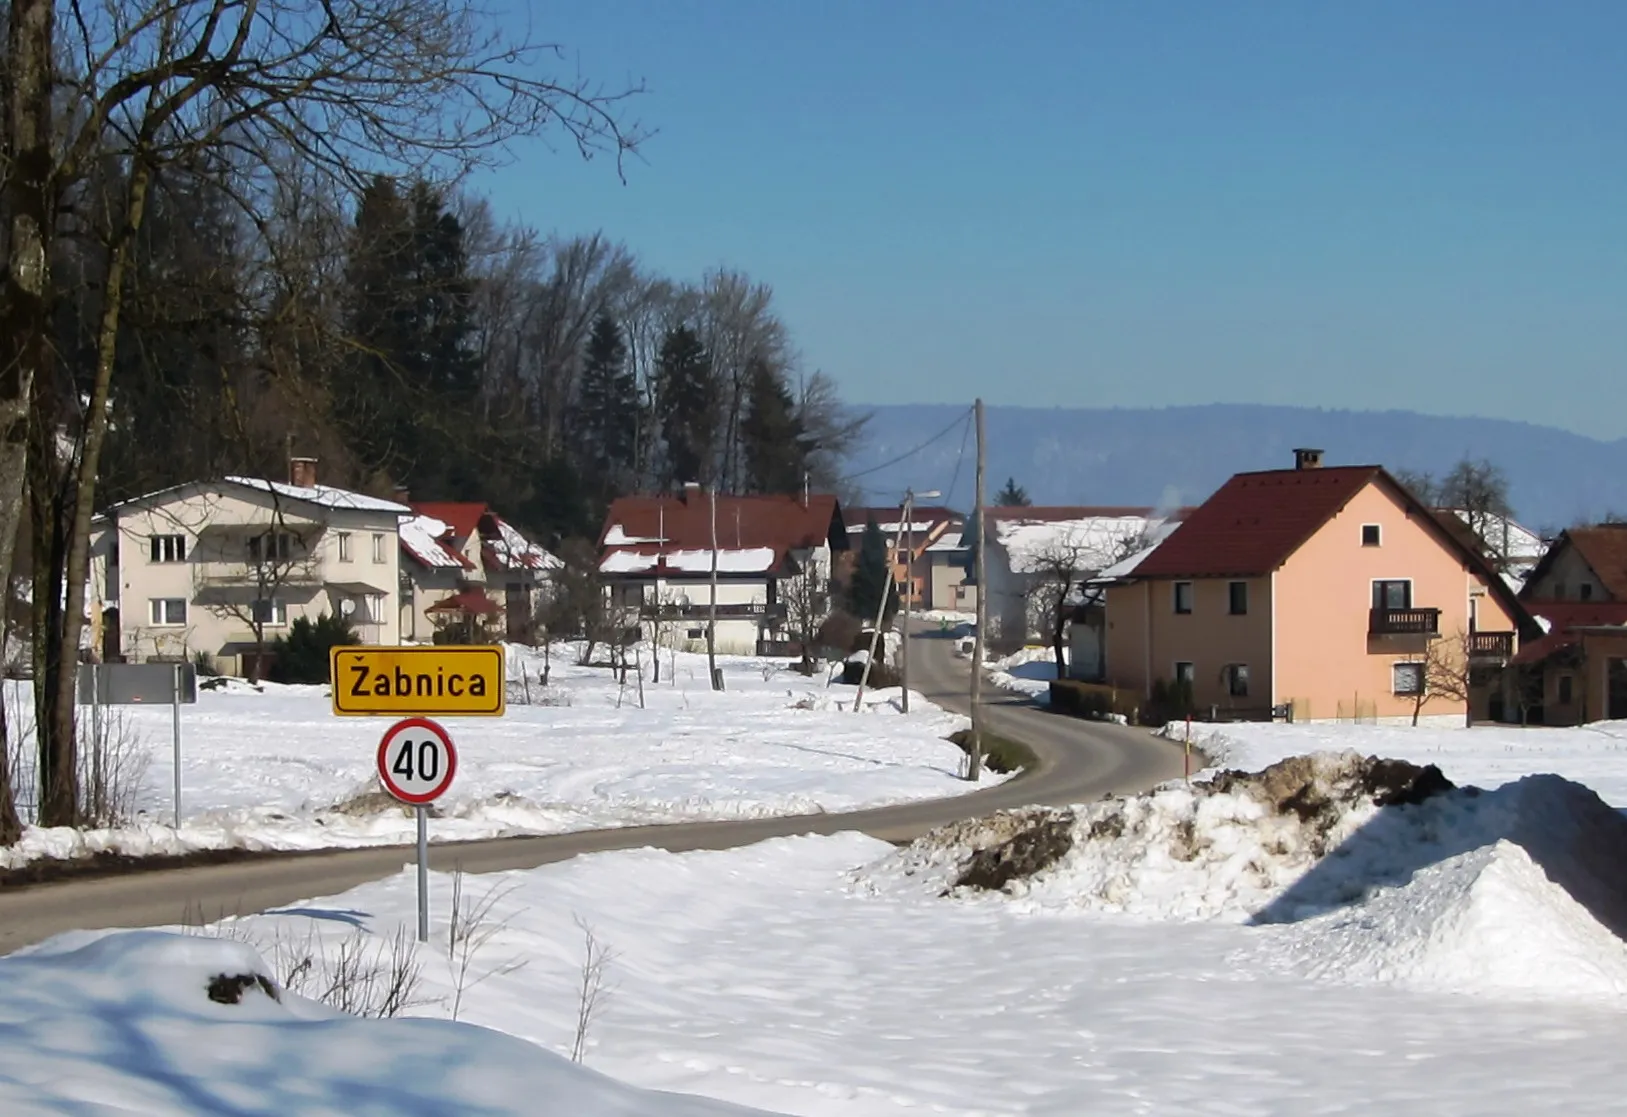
(1028, 671)
(162, 1024)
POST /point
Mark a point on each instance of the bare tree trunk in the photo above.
(11, 826)
(58, 774)
(1059, 628)
(77, 571)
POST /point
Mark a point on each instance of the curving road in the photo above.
(1078, 761)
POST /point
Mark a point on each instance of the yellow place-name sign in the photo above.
(440, 680)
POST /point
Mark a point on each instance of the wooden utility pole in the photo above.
(909, 591)
(974, 762)
(711, 609)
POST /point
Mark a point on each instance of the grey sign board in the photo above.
(136, 684)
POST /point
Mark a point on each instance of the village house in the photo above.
(469, 574)
(1313, 593)
(924, 558)
(1031, 546)
(1576, 671)
(773, 559)
(223, 567)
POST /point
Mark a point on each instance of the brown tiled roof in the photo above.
(1255, 521)
(1604, 548)
(1562, 618)
(682, 522)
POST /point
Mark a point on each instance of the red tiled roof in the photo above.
(1604, 548)
(466, 601)
(1562, 618)
(651, 525)
(463, 517)
(1255, 521)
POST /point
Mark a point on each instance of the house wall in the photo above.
(1125, 634)
(735, 635)
(1008, 600)
(1567, 573)
(215, 578)
(430, 585)
(946, 582)
(1211, 638)
(1327, 664)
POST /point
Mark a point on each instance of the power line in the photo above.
(949, 493)
(958, 419)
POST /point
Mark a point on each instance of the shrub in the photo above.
(841, 631)
(1092, 700)
(1170, 701)
(1000, 754)
(302, 655)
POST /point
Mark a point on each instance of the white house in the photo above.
(773, 560)
(460, 561)
(223, 567)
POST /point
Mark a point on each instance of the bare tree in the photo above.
(1055, 571)
(264, 563)
(807, 599)
(1443, 672)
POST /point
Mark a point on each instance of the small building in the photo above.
(773, 557)
(1323, 593)
(468, 572)
(919, 552)
(223, 567)
(1577, 670)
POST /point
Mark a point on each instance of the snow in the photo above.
(949, 541)
(325, 495)
(1096, 540)
(421, 535)
(274, 769)
(1485, 755)
(617, 537)
(518, 552)
(123, 1024)
(1028, 671)
(1451, 975)
(745, 560)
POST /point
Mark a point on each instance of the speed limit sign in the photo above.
(416, 761)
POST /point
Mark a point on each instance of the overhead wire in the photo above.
(958, 419)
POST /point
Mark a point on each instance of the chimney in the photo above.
(691, 488)
(403, 495)
(302, 473)
(1305, 458)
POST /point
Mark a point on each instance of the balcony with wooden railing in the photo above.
(1404, 622)
(1491, 645)
(750, 611)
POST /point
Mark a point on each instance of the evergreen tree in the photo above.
(608, 409)
(1012, 496)
(776, 447)
(872, 579)
(688, 395)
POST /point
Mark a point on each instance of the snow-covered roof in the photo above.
(421, 538)
(746, 560)
(514, 551)
(1091, 543)
(1506, 536)
(893, 527)
(949, 541)
(325, 495)
(617, 537)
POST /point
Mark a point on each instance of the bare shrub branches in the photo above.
(593, 989)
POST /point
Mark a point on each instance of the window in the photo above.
(1237, 680)
(1239, 598)
(273, 613)
(378, 546)
(697, 634)
(1585, 591)
(1183, 597)
(1407, 679)
(1184, 672)
(1393, 594)
(1567, 692)
(273, 546)
(167, 548)
(167, 610)
(344, 546)
(1369, 535)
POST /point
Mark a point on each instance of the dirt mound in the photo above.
(1031, 848)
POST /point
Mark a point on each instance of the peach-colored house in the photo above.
(1311, 593)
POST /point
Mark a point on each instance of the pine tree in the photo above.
(872, 579)
(688, 401)
(1012, 496)
(607, 409)
(776, 447)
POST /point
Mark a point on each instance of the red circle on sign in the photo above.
(417, 761)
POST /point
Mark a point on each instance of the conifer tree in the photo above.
(688, 395)
(872, 579)
(608, 408)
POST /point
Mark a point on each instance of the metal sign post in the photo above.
(175, 718)
(137, 684)
(416, 764)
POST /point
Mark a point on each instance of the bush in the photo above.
(1169, 702)
(841, 631)
(302, 655)
(1092, 700)
(1000, 754)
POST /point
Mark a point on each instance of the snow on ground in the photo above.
(274, 769)
(1028, 671)
(131, 1024)
(811, 976)
(1485, 756)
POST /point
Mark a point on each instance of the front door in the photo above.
(1616, 695)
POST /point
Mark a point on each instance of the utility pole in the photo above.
(711, 608)
(891, 585)
(909, 589)
(974, 762)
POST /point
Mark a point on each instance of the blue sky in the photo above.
(1361, 204)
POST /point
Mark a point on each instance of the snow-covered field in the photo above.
(1484, 756)
(1199, 957)
(274, 769)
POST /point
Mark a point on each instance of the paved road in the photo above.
(1078, 762)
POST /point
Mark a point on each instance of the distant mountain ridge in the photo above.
(1179, 455)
